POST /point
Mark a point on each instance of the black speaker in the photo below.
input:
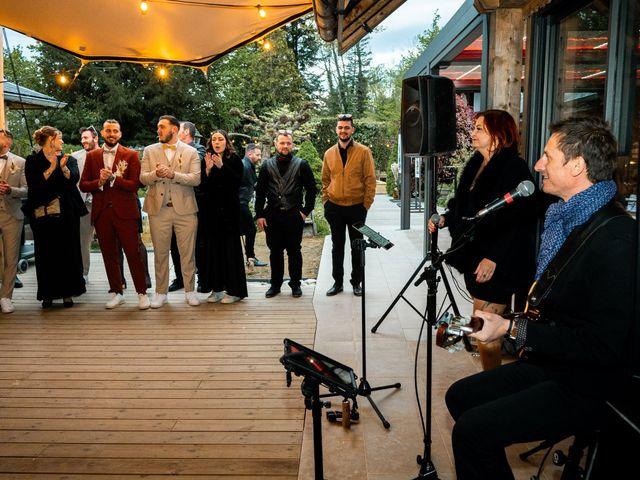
(428, 123)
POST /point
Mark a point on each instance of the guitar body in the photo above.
(450, 329)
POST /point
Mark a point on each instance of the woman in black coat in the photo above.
(223, 250)
(498, 261)
(54, 208)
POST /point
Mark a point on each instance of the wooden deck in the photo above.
(186, 392)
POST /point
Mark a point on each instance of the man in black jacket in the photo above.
(575, 356)
(281, 183)
(252, 156)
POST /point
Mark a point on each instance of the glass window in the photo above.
(629, 164)
(582, 65)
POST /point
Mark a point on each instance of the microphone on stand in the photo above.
(524, 189)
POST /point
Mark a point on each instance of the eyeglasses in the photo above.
(6, 132)
(345, 116)
(285, 132)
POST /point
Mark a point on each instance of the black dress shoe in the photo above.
(357, 290)
(296, 291)
(336, 289)
(47, 303)
(176, 285)
(272, 292)
(67, 302)
(18, 283)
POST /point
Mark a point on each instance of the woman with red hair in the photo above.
(498, 260)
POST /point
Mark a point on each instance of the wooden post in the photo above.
(505, 60)
(2, 119)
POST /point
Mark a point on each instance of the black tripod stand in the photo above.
(375, 241)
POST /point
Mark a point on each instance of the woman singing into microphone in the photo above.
(498, 259)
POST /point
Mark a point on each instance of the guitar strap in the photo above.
(571, 247)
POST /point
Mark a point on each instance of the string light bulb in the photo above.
(144, 7)
(162, 72)
(62, 79)
(261, 11)
(266, 45)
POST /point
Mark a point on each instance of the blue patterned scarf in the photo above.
(562, 217)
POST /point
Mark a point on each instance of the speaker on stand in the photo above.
(428, 129)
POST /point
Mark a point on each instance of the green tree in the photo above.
(305, 44)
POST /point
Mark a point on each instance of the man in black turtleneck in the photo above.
(281, 183)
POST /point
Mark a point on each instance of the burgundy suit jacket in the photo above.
(122, 196)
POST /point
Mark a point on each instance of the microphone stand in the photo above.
(430, 275)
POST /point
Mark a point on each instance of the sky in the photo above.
(401, 29)
(397, 36)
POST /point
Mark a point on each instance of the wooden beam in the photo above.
(486, 6)
(505, 60)
(362, 18)
(2, 118)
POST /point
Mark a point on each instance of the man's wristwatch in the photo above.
(512, 330)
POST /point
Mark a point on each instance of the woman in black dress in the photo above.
(499, 259)
(223, 251)
(54, 208)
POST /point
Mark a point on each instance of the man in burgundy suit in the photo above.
(111, 174)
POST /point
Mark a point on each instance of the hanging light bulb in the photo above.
(62, 79)
(144, 7)
(162, 72)
(267, 45)
(261, 11)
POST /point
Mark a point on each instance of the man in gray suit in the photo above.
(171, 169)
(13, 187)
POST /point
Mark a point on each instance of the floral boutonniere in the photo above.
(12, 167)
(122, 167)
(180, 162)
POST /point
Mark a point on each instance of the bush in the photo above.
(391, 179)
(322, 226)
(309, 153)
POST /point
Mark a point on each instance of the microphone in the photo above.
(524, 189)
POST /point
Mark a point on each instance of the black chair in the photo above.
(571, 460)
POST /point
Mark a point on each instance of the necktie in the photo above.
(4, 157)
(168, 147)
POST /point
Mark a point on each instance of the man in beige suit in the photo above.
(171, 169)
(13, 187)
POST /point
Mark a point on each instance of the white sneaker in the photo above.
(143, 301)
(6, 305)
(159, 299)
(215, 297)
(230, 299)
(116, 300)
(192, 299)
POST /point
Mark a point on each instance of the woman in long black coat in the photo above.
(224, 276)
(54, 208)
(498, 261)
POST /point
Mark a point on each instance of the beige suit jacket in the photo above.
(13, 174)
(186, 166)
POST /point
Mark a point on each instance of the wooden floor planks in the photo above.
(183, 392)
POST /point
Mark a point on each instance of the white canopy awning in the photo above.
(185, 32)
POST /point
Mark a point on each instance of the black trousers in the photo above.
(284, 232)
(341, 220)
(511, 404)
(248, 229)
